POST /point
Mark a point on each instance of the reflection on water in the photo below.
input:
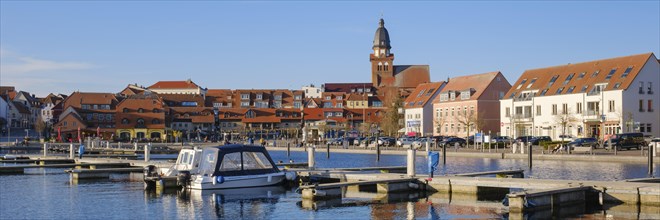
(49, 193)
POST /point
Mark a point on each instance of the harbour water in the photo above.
(50, 194)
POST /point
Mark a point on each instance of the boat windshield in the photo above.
(255, 161)
(207, 164)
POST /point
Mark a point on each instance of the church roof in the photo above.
(410, 76)
(382, 37)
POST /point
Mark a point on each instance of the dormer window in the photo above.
(245, 96)
(531, 83)
(552, 81)
(609, 75)
(125, 110)
(465, 95)
(521, 83)
(249, 114)
(627, 72)
(140, 110)
(260, 96)
(568, 78)
(452, 96)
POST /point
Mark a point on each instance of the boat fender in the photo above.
(290, 176)
(218, 180)
(150, 171)
(270, 178)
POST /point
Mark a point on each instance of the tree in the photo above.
(40, 125)
(389, 123)
(564, 120)
(439, 123)
(469, 120)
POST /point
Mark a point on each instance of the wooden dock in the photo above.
(21, 169)
(333, 190)
(101, 173)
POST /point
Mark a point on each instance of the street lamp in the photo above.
(216, 123)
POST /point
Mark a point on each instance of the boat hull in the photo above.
(205, 182)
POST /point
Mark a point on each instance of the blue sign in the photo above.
(434, 158)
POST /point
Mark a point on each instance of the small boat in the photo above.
(236, 166)
(187, 163)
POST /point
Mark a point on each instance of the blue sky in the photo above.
(102, 46)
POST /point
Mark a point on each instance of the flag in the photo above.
(59, 134)
(98, 131)
(79, 138)
(434, 158)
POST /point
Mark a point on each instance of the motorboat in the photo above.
(187, 163)
(236, 166)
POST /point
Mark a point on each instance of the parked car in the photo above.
(385, 141)
(524, 139)
(501, 139)
(566, 137)
(449, 142)
(584, 142)
(351, 140)
(628, 140)
(422, 142)
(358, 140)
(404, 141)
(538, 139)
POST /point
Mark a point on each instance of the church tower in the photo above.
(382, 61)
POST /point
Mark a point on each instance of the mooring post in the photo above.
(288, 150)
(135, 146)
(651, 160)
(411, 162)
(310, 157)
(428, 146)
(327, 148)
(529, 155)
(147, 152)
(45, 149)
(377, 151)
(72, 152)
(444, 154)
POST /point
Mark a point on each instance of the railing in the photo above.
(592, 93)
(524, 98)
(523, 117)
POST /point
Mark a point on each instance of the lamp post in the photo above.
(216, 123)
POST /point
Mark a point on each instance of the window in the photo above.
(641, 87)
(125, 110)
(421, 93)
(328, 97)
(260, 96)
(584, 88)
(140, 110)
(609, 75)
(444, 97)
(582, 75)
(64, 123)
(452, 111)
(578, 108)
(377, 104)
(650, 105)
(531, 83)
(641, 105)
(245, 96)
(84, 106)
(521, 83)
(564, 108)
(507, 112)
(650, 90)
(297, 97)
(568, 78)
(452, 96)
(245, 104)
(552, 80)
(89, 117)
(501, 95)
(430, 92)
(420, 102)
(554, 109)
(512, 95)
(570, 90)
(617, 85)
(277, 97)
(297, 104)
(140, 122)
(465, 95)
(340, 105)
(339, 97)
(595, 74)
(327, 105)
(625, 73)
(559, 90)
(192, 104)
(648, 128)
(642, 127)
(610, 106)
(124, 121)
(543, 92)
(538, 110)
(155, 121)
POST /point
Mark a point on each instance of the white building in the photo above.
(312, 92)
(419, 109)
(178, 87)
(591, 99)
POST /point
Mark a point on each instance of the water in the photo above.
(49, 194)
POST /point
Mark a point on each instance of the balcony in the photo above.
(593, 93)
(527, 117)
(522, 98)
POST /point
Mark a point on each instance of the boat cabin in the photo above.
(236, 160)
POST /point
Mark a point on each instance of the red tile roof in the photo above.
(347, 87)
(582, 75)
(423, 94)
(188, 84)
(468, 82)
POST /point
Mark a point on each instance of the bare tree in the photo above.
(467, 119)
(40, 125)
(439, 123)
(390, 120)
(564, 120)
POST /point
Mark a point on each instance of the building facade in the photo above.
(419, 109)
(590, 99)
(464, 106)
